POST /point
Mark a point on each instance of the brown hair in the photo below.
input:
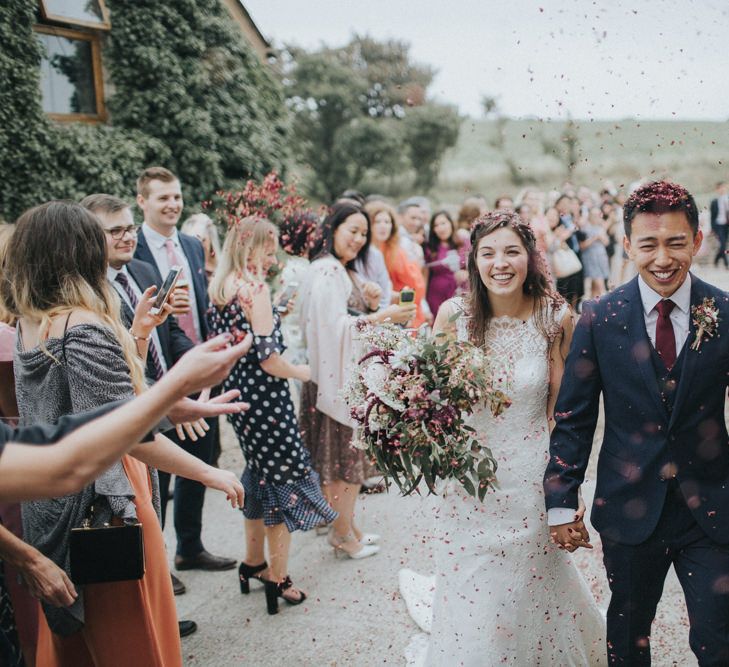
(103, 203)
(469, 211)
(56, 262)
(536, 284)
(153, 174)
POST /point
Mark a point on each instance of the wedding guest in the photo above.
(204, 230)
(409, 218)
(159, 196)
(719, 212)
(445, 260)
(371, 265)
(593, 249)
(470, 209)
(282, 489)
(403, 271)
(74, 354)
(331, 292)
(570, 287)
(133, 280)
(504, 203)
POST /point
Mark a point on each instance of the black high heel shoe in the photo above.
(275, 590)
(248, 572)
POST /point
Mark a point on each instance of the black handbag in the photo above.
(106, 554)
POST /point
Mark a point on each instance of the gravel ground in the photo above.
(354, 614)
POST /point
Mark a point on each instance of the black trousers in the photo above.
(189, 496)
(636, 574)
(721, 231)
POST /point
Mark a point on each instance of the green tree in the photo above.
(429, 131)
(188, 93)
(356, 114)
(184, 74)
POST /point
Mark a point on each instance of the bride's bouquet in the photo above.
(410, 398)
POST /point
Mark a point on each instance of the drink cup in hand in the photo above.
(180, 297)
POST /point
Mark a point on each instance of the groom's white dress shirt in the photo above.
(680, 319)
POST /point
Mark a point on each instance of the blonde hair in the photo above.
(153, 174)
(55, 264)
(242, 242)
(202, 226)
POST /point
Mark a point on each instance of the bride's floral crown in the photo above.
(496, 219)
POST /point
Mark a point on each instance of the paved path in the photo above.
(354, 615)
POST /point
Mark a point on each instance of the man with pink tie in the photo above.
(159, 196)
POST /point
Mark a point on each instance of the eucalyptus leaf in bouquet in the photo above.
(411, 398)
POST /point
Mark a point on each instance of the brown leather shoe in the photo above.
(178, 588)
(204, 561)
(187, 628)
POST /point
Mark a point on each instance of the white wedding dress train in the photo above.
(503, 594)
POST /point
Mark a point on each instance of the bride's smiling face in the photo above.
(502, 262)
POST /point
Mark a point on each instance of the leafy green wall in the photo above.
(188, 93)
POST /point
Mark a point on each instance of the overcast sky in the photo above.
(605, 59)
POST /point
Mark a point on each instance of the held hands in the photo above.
(227, 482)
(572, 536)
(144, 322)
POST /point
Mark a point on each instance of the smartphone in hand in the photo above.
(286, 296)
(164, 292)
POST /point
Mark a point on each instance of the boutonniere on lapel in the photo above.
(705, 318)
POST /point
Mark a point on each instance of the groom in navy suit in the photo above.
(662, 495)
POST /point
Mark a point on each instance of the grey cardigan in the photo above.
(81, 371)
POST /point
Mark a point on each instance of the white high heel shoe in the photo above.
(369, 538)
(337, 541)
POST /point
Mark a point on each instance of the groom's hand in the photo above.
(571, 536)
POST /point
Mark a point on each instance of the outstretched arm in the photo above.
(28, 472)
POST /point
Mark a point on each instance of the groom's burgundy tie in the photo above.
(665, 338)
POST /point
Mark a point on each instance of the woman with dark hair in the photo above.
(445, 261)
(73, 354)
(503, 593)
(334, 302)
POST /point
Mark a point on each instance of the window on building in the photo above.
(71, 79)
(87, 13)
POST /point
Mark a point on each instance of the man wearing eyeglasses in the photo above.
(130, 278)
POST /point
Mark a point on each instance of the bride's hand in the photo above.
(580, 513)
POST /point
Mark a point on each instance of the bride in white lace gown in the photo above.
(503, 593)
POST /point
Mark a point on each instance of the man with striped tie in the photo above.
(130, 278)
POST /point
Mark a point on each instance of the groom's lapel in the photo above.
(640, 344)
(691, 356)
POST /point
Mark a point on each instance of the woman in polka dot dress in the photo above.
(282, 489)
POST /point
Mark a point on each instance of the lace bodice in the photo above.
(519, 355)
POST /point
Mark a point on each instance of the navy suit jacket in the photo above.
(611, 355)
(172, 338)
(195, 255)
